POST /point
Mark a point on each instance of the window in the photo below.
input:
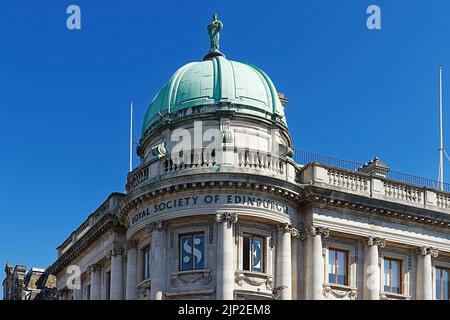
(392, 275)
(108, 284)
(442, 284)
(88, 292)
(147, 257)
(253, 253)
(338, 266)
(192, 251)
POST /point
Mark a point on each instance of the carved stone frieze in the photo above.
(253, 279)
(195, 277)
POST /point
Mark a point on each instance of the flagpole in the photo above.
(441, 146)
(131, 136)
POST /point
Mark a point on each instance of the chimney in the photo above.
(375, 167)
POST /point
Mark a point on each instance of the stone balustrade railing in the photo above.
(241, 159)
(374, 186)
(347, 179)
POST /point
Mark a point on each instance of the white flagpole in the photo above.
(131, 136)
(441, 146)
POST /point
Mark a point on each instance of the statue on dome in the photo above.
(214, 29)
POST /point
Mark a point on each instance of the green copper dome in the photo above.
(211, 82)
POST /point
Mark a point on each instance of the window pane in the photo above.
(257, 254)
(146, 264)
(395, 266)
(246, 253)
(445, 284)
(341, 267)
(387, 282)
(438, 283)
(186, 253)
(199, 251)
(331, 266)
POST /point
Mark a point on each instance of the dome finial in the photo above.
(214, 29)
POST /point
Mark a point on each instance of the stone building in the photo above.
(219, 209)
(23, 284)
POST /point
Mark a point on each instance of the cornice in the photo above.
(243, 181)
(107, 223)
(386, 210)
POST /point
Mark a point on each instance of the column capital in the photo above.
(95, 268)
(315, 231)
(287, 228)
(226, 217)
(116, 251)
(132, 244)
(156, 226)
(424, 251)
(374, 241)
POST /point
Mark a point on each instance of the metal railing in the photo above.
(304, 157)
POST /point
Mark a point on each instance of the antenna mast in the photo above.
(441, 145)
(131, 136)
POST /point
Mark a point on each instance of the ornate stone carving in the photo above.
(338, 292)
(254, 280)
(393, 296)
(374, 241)
(155, 226)
(315, 231)
(227, 217)
(159, 150)
(117, 251)
(424, 251)
(287, 227)
(190, 278)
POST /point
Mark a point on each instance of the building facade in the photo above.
(21, 283)
(219, 209)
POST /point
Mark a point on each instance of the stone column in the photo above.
(424, 285)
(95, 282)
(284, 263)
(116, 287)
(225, 257)
(315, 262)
(130, 293)
(371, 284)
(159, 263)
(78, 293)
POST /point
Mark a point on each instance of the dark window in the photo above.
(88, 292)
(108, 284)
(338, 266)
(147, 257)
(442, 284)
(192, 251)
(392, 275)
(253, 253)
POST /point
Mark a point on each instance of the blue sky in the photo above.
(64, 95)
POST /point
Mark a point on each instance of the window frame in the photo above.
(180, 248)
(346, 266)
(269, 239)
(146, 263)
(442, 268)
(399, 275)
(251, 236)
